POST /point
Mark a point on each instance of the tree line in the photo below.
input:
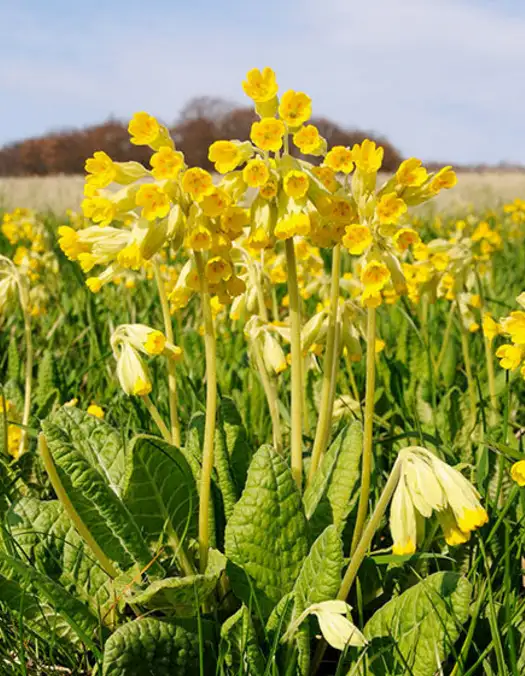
(201, 122)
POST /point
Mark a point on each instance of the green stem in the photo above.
(297, 361)
(368, 421)
(61, 494)
(172, 373)
(154, 413)
(28, 377)
(468, 371)
(362, 548)
(211, 414)
(322, 431)
(446, 338)
(351, 378)
(271, 398)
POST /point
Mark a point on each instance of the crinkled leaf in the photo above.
(183, 595)
(151, 647)
(90, 473)
(48, 538)
(240, 645)
(416, 631)
(331, 495)
(224, 472)
(266, 536)
(160, 490)
(72, 611)
(239, 450)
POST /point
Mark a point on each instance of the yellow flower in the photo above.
(291, 225)
(233, 220)
(70, 242)
(166, 163)
(199, 239)
(411, 174)
(453, 534)
(515, 327)
(14, 441)
(154, 202)
(357, 238)
(130, 257)
(509, 356)
(267, 134)
(374, 276)
(226, 156)
(99, 209)
(308, 140)
(339, 159)
(379, 345)
(256, 173)
(95, 410)
(405, 237)
(197, 183)
(367, 157)
(94, 284)
(155, 342)
(490, 328)
(295, 108)
(296, 184)
(517, 472)
(444, 179)
(101, 168)
(390, 208)
(144, 129)
(260, 86)
(215, 203)
(218, 269)
(268, 190)
(327, 178)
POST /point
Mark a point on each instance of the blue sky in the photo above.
(441, 79)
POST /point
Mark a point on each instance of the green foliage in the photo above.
(266, 536)
(414, 632)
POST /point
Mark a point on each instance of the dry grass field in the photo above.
(58, 193)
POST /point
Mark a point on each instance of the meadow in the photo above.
(267, 421)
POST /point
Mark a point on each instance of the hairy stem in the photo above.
(172, 374)
(211, 414)
(322, 431)
(297, 362)
(154, 413)
(368, 422)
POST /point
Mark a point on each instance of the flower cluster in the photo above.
(426, 485)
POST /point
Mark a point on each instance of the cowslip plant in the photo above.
(194, 551)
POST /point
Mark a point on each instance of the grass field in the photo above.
(220, 426)
(57, 193)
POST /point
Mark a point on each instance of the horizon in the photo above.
(454, 96)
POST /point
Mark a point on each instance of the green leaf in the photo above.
(160, 490)
(39, 617)
(240, 645)
(183, 595)
(239, 450)
(330, 497)
(416, 631)
(266, 536)
(49, 540)
(90, 464)
(224, 473)
(320, 575)
(71, 610)
(150, 646)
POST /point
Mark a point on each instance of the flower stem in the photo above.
(362, 548)
(468, 371)
(366, 461)
(446, 338)
(492, 381)
(172, 374)
(269, 387)
(28, 377)
(154, 413)
(61, 494)
(297, 361)
(211, 414)
(329, 372)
